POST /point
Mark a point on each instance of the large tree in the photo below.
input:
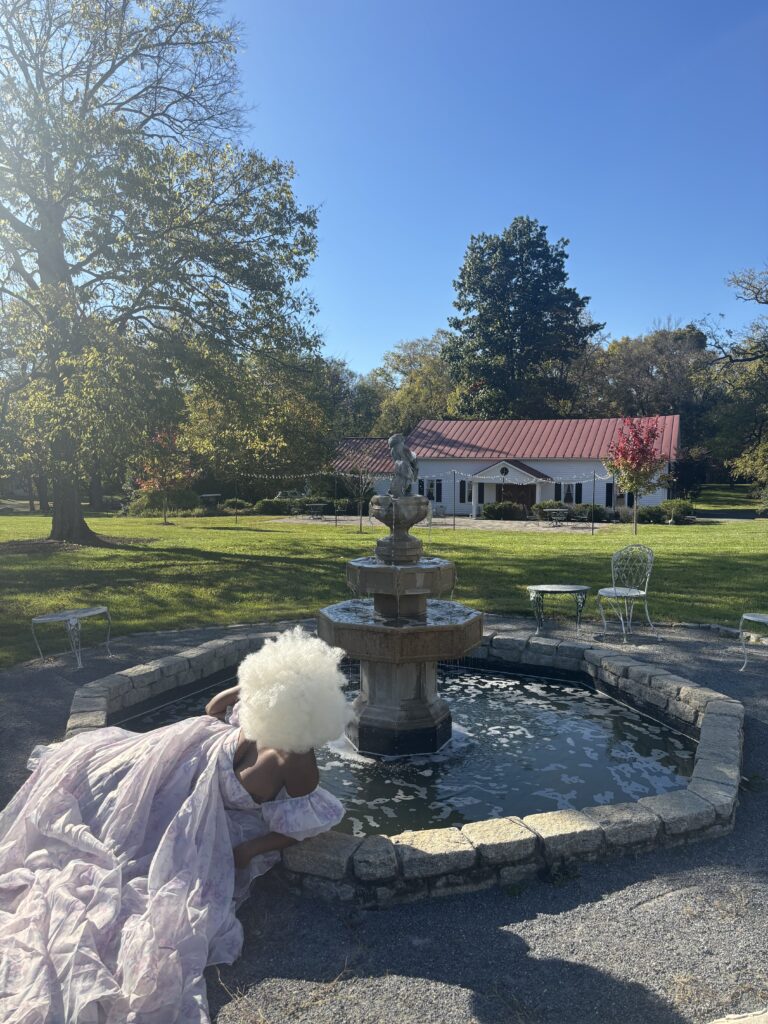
(130, 219)
(420, 385)
(520, 323)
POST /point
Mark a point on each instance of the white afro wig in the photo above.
(291, 693)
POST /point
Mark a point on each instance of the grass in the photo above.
(722, 498)
(210, 571)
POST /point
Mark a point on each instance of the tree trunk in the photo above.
(634, 515)
(95, 493)
(165, 508)
(30, 494)
(41, 483)
(360, 513)
(68, 523)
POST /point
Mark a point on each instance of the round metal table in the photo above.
(537, 591)
(757, 617)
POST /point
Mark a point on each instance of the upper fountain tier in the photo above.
(399, 514)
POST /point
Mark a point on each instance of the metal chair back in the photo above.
(631, 567)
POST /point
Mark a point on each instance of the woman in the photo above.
(118, 881)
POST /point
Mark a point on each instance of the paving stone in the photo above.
(87, 702)
(331, 892)
(726, 709)
(501, 840)
(722, 770)
(625, 825)
(566, 835)
(680, 811)
(508, 645)
(434, 851)
(573, 649)
(618, 664)
(544, 644)
(722, 797)
(375, 859)
(698, 696)
(682, 712)
(82, 720)
(516, 874)
(643, 693)
(595, 655)
(454, 885)
(327, 855)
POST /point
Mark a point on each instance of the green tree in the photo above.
(419, 382)
(130, 220)
(520, 324)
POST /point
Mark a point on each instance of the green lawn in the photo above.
(205, 571)
(722, 498)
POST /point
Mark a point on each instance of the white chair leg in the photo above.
(602, 615)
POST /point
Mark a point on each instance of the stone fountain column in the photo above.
(399, 631)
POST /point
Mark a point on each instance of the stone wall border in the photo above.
(375, 870)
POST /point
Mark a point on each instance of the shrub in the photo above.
(503, 510)
(235, 503)
(762, 502)
(149, 503)
(625, 514)
(274, 506)
(676, 509)
(539, 507)
(651, 514)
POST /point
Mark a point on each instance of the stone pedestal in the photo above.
(398, 710)
(399, 634)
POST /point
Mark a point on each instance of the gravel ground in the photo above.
(675, 936)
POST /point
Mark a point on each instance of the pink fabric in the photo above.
(117, 881)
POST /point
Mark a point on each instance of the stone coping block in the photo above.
(375, 859)
(680, 811)
(326, 856)
(566, 835)
(501, 840)
(376, 870)
(434, 851)
(626, 825)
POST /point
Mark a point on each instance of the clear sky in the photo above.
(634, 128)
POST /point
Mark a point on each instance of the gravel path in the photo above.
(675, 936)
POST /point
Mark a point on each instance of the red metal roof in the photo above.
(528, 439)
(363, 454)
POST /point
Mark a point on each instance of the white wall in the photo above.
(565, 470)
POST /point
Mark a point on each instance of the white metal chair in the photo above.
(630, 572)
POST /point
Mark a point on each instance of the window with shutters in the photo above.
(609, 494)
(463, 492)
(578, 494)
(558, 492)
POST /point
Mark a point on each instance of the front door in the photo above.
(521, 494)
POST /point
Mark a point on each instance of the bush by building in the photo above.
(504, 510)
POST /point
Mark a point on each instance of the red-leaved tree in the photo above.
(634, 459)
(164, 467)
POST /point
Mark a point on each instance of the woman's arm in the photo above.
(217, 706)
(245, 852)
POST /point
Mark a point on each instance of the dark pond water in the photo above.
(520, 745)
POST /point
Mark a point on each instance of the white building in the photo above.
(465, 464)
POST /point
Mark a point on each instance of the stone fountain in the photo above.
(401, 628)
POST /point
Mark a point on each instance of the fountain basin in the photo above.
(447, 631)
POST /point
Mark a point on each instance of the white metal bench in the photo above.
(72, 619)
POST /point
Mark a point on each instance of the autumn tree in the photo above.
(633, 458)
(131, 221)
(519, 324)
(419, 384)
(164, 467)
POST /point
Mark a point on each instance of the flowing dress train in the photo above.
(117, 880)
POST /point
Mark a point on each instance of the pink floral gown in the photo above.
(117, 881)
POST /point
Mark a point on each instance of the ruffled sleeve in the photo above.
(301, 817)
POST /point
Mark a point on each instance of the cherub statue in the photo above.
(406, 467)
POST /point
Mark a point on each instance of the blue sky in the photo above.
(636, 130)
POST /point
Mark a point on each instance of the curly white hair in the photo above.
(291, 693)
